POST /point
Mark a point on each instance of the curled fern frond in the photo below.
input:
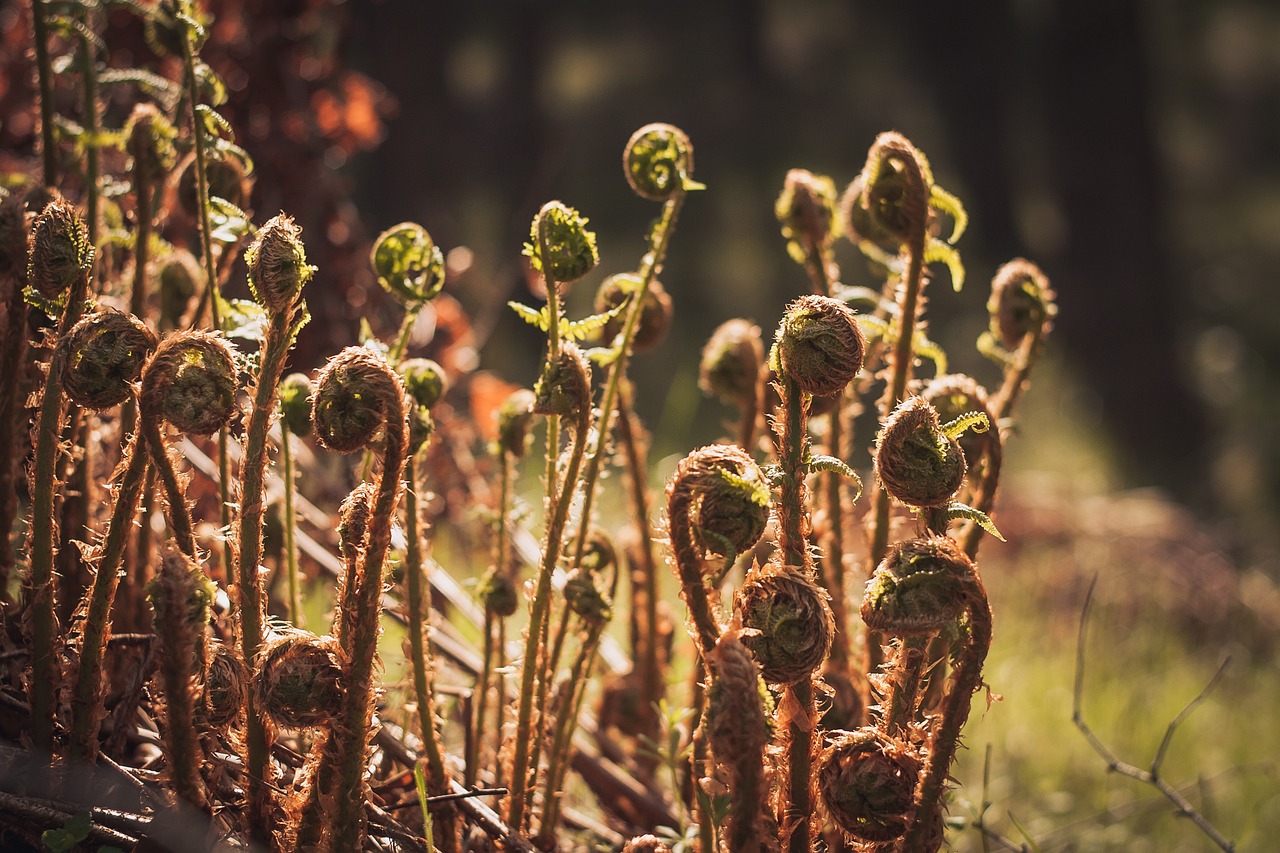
(976, 421)
(939, 252)
(945, 202)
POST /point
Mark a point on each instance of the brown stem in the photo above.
(86, 701)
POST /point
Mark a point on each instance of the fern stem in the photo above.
(649, 268)
(248, 579)
(445, 825)
(533, 675)
(296, 615)
(48, 439)
(211, 292)
(44, 79)
(86, 701)
(491, 619)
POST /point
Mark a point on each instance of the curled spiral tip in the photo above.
(299, 680)
(787, 623)
(731, 362)
(295, 403)
(1021, 303)
(655, 313)
(565, 386)
(227, 178)
(889, 200)
(727, 499)
(353, 520)
(497, 591)
(599, 556)
(421, 427)
(583, 595)
(916, 462)
(277, 262)
(921, 585)
(819, 345)
(225, 686)
(954, 395)
(645, 844)
(658, 161)
(103, 357)
(182, 595)
(355, 395)
(806, 208)
(739, 706)
(515, 417)
(560, 244)
(425, 381)
(149, 139)
(178, 279)
(867, 783)
(58, 252)
(190, 382)
(408, 263)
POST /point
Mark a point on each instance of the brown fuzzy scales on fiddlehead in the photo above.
(181, 596)
(867, 783)
(655, 313)
(739, 727)
(149, 139)
(916, 462)
(299, 680)
(515, 418)
(353, 394)
(191, 383)
(59, 253)
(717, 501)
(226, 177)
(731, 363)
(806, 209)
(565, 386)
(920, 586)
(103, 357)
(787, 623)
(955, 395)
(178, 280)
(819, 345)
(1021, 303)
(497, 592)
(225, 685)
(658, 161)
(277, 262)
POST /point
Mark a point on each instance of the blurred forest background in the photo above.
(1131, 149)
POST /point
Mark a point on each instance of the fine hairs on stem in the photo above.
(357, 398)
(60, 258)
(278, 270)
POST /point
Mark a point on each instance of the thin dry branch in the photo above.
(1150, 776)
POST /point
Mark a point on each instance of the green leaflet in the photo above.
(975, 421)
(957, 510)
(572, 330)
